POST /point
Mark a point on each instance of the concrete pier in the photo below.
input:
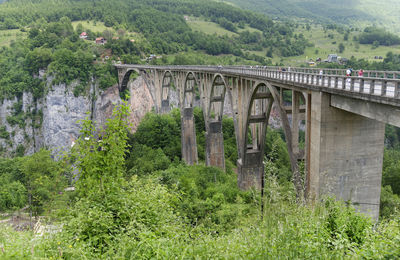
(215, 145)
(188, 137)
(346, 156)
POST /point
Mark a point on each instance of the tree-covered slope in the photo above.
(349, 12)
(52, 42)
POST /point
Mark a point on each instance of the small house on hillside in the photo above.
(83, 35)
(101, 40)
(332, 58)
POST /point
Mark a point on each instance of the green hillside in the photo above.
(325, 42)
(349, 12)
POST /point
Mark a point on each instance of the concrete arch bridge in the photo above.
(344, 117)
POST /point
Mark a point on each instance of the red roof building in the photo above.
(83, 35)
(101, 40)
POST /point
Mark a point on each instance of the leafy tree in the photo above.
(42, 178)
(38, 58)
(379, 35)
(12, 191)
(99, 154)
(346, 36)
(269, 53)
(159, 131)
(341, 48)
(389, 204)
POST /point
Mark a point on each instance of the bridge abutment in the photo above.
(188, 137)
(346, 156)
(215, 145)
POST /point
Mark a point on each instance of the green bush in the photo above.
(345, 227)
(12, 196)
(143, 160)
(139, 210)
(160, 131)
(43, 179)
(206, 195)
(390, 203)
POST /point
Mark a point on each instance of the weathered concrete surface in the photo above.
(384, 113)
(215, 145)
(249, 176)
(346, 155)
(188, 137)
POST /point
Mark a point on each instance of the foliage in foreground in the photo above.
(288, 230)
(193, 212)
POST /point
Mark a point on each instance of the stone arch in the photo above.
(168, 80)
(214, 138)
(250, 165)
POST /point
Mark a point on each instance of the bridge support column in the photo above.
(215, 145)
(346, 155)
(188, 137)
(250, 174)
(165, 108)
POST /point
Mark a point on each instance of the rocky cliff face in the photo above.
(26, 125)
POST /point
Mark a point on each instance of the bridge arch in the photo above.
(215, 155)
(188, 129)
(191, 90)
(168, 81)
(124, 77)
(250, 165)
(216, 98)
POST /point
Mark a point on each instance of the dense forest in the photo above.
(342, 12)
(132, 197)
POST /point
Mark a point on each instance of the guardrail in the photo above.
(378, 83)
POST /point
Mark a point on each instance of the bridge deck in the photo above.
(376, 86)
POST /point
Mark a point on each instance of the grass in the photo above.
(94, 26)
(354, 13)
(324, 45)
(198, 24)
(8, 36)
(100, 27)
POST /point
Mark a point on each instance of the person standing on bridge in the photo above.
(360, 73)
(348, 72)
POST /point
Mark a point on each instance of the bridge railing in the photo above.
(378, 83)
(384, 87)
